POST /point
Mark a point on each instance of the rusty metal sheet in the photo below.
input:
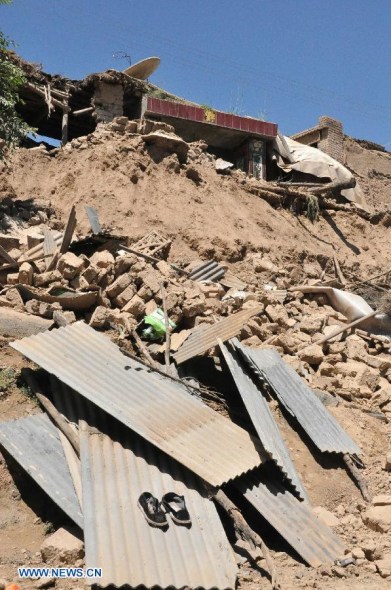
(204, 337)
(35, 444)
(156, 408)
(208, 271)
(262, 417)
(117, 536)
(316, 543)
(300, 401)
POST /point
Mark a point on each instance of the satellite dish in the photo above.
(144, 68)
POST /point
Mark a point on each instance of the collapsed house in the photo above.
(67, 109)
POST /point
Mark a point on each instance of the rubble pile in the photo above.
(152, 306)
(198, 369)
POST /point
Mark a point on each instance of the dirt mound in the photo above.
(137, 188)
(373, 170)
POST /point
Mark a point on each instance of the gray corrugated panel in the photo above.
(301, 402)
(208, 271)
(262, 418)
(117, 536)
(294, 520)
(232, 282)
(35, 445)
(180, 425)
(37, 252)
(49, 247)
(205, 337)
(93, 218)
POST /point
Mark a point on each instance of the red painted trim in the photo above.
(170, 108)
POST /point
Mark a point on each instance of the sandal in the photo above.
(176, 507)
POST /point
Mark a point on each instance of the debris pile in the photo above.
(192, 368)
(137, 397)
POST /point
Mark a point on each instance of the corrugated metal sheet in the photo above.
(230, 281)
(262, 418)
(209, 271)
(300, 401)
(294, 520)
(203, 338)
(93, 218)
(116, 470)
(49, 247)
(180, 425)
(117, 536)
(37, 251)
(35, 444)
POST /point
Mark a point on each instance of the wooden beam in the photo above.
(69, 229)
(245, 532)
(86, 111)
(168, 330)
(154, 260)
(342, 329)
(41, 92)
(4, 254)
(59, 420)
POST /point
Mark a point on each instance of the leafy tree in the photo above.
(12, 127)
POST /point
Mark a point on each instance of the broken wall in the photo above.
(327, 136)
(108, 101)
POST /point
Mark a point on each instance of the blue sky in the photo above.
(287, 61)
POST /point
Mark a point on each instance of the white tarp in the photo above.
(310, 160)
(353, 307)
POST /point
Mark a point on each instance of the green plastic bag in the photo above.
(156, 326)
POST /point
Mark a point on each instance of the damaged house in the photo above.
(65, 109)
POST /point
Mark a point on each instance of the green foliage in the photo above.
(312, 208)
(49, 528)
(12, 127)
(7, 379)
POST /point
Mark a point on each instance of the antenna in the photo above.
(122, 55)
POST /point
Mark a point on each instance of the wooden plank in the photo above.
(49, 246)
(69, 229)
(4, 254)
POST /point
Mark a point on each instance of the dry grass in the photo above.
(385, 304)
